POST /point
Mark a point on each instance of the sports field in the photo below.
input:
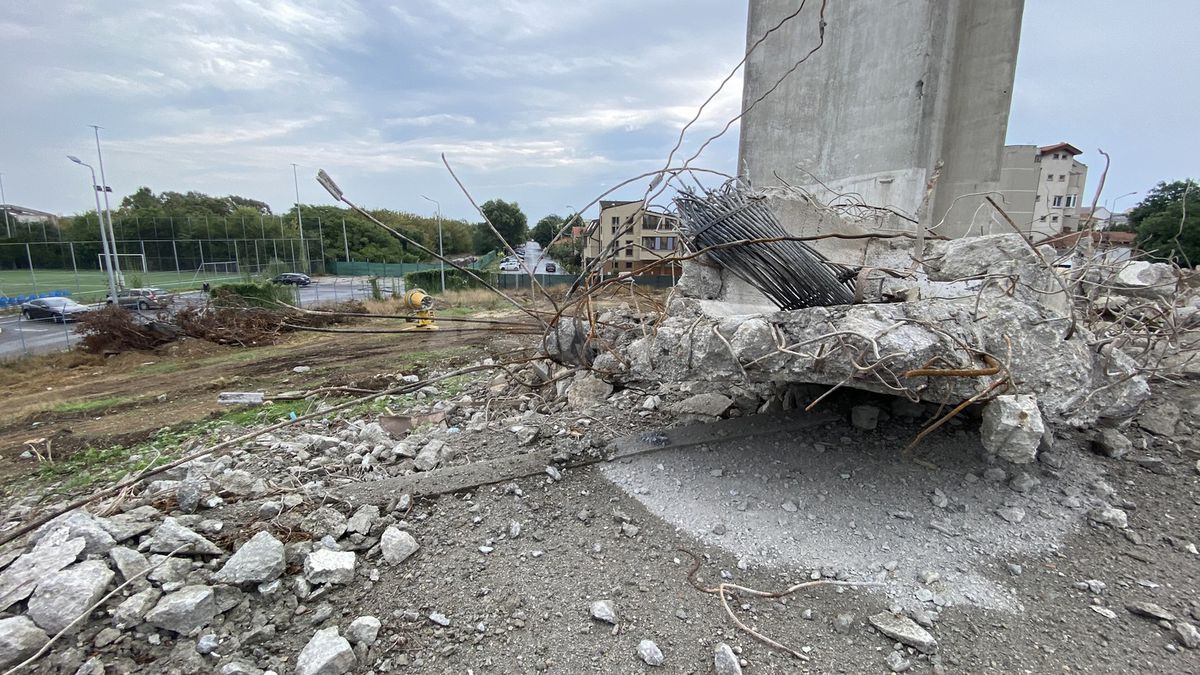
(91, 285)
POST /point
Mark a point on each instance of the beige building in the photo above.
(652, 237)
(1043, 187)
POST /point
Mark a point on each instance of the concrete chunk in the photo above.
(259, 560)
(20, 638)
(170, 535)
(397, 545)
(1012, 428)
(329, 567)
(327, 653)
(53, 552)
(184, 610)
(904, 629)
(241, 398)
(67, 594)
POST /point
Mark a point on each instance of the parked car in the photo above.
(60, 310)
(551, 268)
(292, 279)
(144, 298)
(510, 266)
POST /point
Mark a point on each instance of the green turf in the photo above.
(91, 285)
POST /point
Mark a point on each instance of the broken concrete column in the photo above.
(1012, 428)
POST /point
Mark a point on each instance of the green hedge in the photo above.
(266, 295)
(431, 280)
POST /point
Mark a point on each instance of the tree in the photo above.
(543, 233)
(1163, 229)
(508, 220)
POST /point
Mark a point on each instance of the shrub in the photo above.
(456, 280)
(265, 295)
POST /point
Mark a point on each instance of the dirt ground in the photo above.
(520, 604)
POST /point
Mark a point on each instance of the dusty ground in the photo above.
(523, 606)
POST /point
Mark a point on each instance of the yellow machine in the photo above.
(420, 301)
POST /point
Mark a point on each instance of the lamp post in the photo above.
(441, 251)
(4, 201)
(1113, 210)
(112, 235)
(112, 282)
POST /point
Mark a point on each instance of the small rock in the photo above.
(430, 455)
(1013, 514)
(129, 562)
(20, 638)
(587, 390)
(1151, 610)
(133, 609)
(897, 663)
(184, 610)
(1110, 516)
(171, 535)
(323, 521)
(364, 629)
(1023, 483)
(259, 560)
(1187, 634)
(514, 529)
(603, 610)
(1112, 443)
(865, 417)
(207, 644)
(61, 597)
(329, 567)
(327, 653)
(1015, 569)
(1104, 611)
(363, 519)
(842, 623)
(397, 545)
(904, 629)
(630, 530)
(710, 405)
(652, 655)
(440, 619)
(725, 662)
(1012, 428)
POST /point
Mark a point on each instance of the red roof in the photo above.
(1058, 147)
(1108, 237)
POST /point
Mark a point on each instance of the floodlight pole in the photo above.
(299, 218)
(441, 250)
(112, 234)
(4, 201)
(112, 282)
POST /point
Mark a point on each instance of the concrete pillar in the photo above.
(898, 86)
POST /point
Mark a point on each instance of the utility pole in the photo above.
(112, 235)
(345, 240)
(4, 201)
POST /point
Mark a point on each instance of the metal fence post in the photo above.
(32, 276)
(175, 254)
(74, 267)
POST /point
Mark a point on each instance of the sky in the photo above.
(542, 102)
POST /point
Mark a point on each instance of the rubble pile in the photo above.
(983, 318)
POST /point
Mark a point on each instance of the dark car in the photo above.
(144, 298)
(292, 279)
(551, 268)
(60, 310)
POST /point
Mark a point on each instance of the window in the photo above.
(616, 220)
(628, 265)
(1056, 155)
(614, 230)
(1062, 177)
(628, 248)
(1054, 219)
(1057, 200)
(1071, 199)
(1049, 177)
(1037, 198)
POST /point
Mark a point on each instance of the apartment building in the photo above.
(651, 236)
(1043, 187)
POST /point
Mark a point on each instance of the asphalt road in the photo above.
(535, 260)
(19, 337)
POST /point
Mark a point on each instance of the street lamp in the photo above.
(112, 234)
(112, 282)
(441, 251)
(1113, 211)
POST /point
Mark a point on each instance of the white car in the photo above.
(510, 266)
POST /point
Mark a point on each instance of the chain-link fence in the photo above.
(77, 268)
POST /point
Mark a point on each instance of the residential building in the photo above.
(1043, 187)
(643, 237)
(1102, 218)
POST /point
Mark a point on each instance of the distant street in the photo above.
(19, 336)
(535, 261)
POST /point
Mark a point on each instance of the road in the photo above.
(535, 260)
(19, 337)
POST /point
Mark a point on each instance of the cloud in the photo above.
(438, 119)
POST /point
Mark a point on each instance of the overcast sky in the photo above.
(544, 102)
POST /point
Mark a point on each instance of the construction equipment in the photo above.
(422, 303)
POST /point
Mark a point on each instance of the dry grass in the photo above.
(450, 303)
